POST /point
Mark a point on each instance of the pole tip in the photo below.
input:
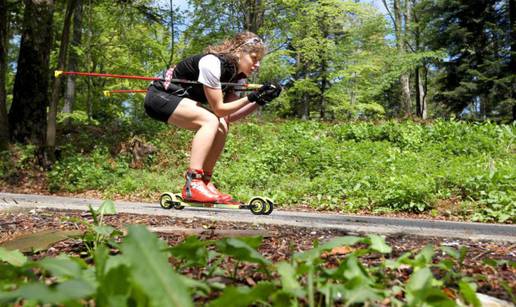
(107, 93)
(58, 73)
(253, 86)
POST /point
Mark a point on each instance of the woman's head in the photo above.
(245, 49)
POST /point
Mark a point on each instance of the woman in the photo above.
(181, 105)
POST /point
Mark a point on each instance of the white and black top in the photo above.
(207, 69)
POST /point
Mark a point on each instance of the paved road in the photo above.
(351, 223)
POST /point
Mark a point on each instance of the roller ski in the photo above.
(200, 192)
(257, 205)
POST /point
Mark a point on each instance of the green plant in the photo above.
(97, 233)
(331, 273)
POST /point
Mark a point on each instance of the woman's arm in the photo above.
(215, 99)
(243, 112)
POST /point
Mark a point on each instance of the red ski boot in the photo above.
(196, 190)
(224, 198)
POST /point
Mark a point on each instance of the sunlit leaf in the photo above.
(240, 250)
(289, 280)
(244, 296)
(14, 257)
(151, 271)
(378, 244)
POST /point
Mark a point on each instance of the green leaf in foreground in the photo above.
(192, 250)
(244, 296)
(289, 279)
(151, 271)
(467, 290)
(378, 244)
(15, 257)
(107, 208)
(240, 250)
(61, 266)
(67, 291)
(314, 254)
(420, 291)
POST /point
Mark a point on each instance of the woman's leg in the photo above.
(212, 158)
(190, 116)
(217, 146)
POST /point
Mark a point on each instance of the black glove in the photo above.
(265, 94)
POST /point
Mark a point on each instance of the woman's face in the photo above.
(248, 62)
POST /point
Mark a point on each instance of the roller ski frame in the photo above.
(257, 205)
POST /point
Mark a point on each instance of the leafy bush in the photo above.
(135, 270)
(385, 166)
(94, 171)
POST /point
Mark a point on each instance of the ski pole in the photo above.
(58, 73)
(108, 93)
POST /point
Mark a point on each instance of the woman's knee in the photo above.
(208, 119)
(223, 126)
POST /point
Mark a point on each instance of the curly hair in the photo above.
(241, 42)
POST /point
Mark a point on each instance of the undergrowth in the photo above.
(350, 167)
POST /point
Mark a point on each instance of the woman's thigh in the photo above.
(190, 115)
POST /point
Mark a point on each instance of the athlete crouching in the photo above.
(179, 104)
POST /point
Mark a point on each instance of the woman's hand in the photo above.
(265, 94)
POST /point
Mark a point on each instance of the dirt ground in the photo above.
(279, 243)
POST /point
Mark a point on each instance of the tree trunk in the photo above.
(69, 97)
(324, 82)
(324, 28)
(418, 93)
(421, 103)
(399, 25)
(4, 33)
(27, 117)
(512, 65)
(254, 13)
(306, 109)
(420, 80)
(405, 20)
(172, 35)
(56, 84)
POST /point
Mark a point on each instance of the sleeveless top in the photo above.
(188, 69)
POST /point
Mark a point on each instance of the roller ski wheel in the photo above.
(169, 201)
(261, 206)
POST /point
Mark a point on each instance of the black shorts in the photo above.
(160, 104)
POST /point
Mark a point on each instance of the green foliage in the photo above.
(388, 166)
(150, 270)
(139, 274)
(14, 258)
(97, 232)
(473, 76)
(95, 171)
(15, 159)
(78, 117)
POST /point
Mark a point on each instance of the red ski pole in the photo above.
(108, 93)
(58, 73)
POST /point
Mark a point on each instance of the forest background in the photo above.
(412, 110)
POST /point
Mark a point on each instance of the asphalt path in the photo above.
(354, 224)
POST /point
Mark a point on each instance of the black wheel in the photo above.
(166, 201)
(268, 207)
(177, 202)
(257, 205)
